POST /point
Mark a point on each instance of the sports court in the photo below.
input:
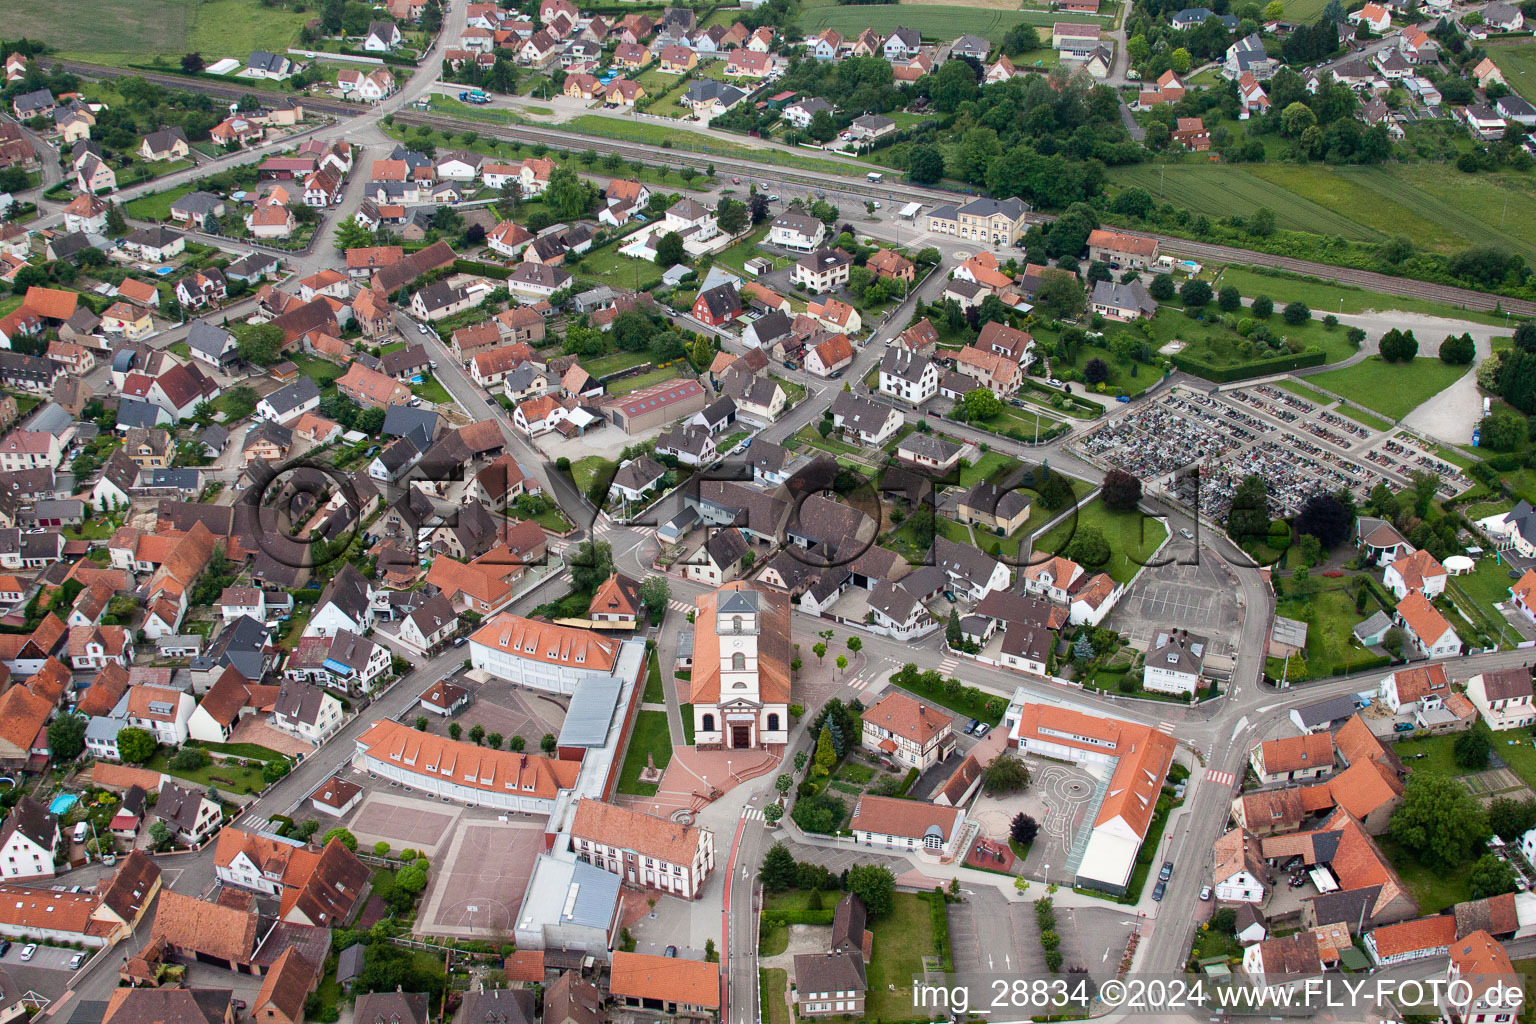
(477, 887)
(507, 709)
(404, 822)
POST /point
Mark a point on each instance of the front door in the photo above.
(741, 736)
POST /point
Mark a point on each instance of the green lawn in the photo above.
(1518, 62)
(934, 22)
(226, 777)
(1329, 612)
(156, 205)
(773, 984)
(432, 390)
(643, 380)
(1132, 538)
(985, 467)
(321, 371)
(654, 693)
(1435, 889)
(1437, 206)
(901, 940)
(590, 469)
(650, 737)
(1365, 419)
(1299, 389)
(615, 362)
(1330, 297)
(1438, 759)
(669, 138)
(123, 31)
(1392, 389)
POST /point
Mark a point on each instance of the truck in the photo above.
(474, 96)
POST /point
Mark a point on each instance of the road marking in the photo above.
(679, 606)
(1242, 723)
(1165, 725)
(948, 664)
(1220, 778)
(752, 814)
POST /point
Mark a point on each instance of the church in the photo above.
(741, 674)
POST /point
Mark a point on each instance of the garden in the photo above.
(1331, 606)
(1101, 539)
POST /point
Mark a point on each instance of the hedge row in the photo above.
(494, 270)
(1252, 368)
(789, 917)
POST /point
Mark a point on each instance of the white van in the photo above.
(82, 831)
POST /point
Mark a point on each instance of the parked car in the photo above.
(461, 641)
(1403, 727)
(76, 960)
(27, 951)
(1166, 872)
(1122, 398)
(970, 727)
(5, 946)
(982, 730)
(1158, 890)
(1184, 532)
(1205, 894)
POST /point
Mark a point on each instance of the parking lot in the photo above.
(501, 707)
(991, 935)
(1201, 598)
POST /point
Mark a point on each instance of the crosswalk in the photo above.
(948, 666)
(254, 822)
(861, 683)
(752, 814)
(1220, 778)
(679, 606)
(601, 527)
(1166, 726)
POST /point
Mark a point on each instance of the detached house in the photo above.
(1503, 698)
(907, 731)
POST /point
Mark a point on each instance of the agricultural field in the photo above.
(1437, 206)
(1329, 297)
(131, 31)
(1392, 389)
(1518, 62)
(932, 21)
(1304, 11)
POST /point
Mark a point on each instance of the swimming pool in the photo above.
(62, 803)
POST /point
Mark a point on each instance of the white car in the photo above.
(27, 951)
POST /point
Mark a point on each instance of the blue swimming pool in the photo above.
(62, 803)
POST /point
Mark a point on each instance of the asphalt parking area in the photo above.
(1197, 597)
(44, 958)
(404, 821)
(506, 709)
(478, 886)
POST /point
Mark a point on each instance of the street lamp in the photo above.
(1047, 876)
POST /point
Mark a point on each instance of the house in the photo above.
(165, 144)
(997, 373)
(1293, 758)
(1431, 634)
(1248, 54)
(1477, 981)
(1408, 689)
(1003, 510)
(801, 112)
(1239, 872)
(1418, 571)
(1120, 249)
(271, 220)
(1373, 16)
(690, 445)
(830, 356)
(823, 270)
(1175, 662)
(796, 230)
(154, 244)
(1075, 39)
(660, 984)
(869, 127)
(638, 477)
(907, 731)
(28, 841)
(188, 813)
(991, 221)
(1122, 302)
(213, 346)
(708, 98)
(1482, 120)
(371, 388)
(655, 405)
(908, 376)
(890, 264)
(1503, 698)
(864, 420)
(717, 306)
(926, 829)
(829, 984)
(930, 452)
(161, 711)
(307, 712)
(651, 852)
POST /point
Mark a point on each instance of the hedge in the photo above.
(938, 909)
(1252, 368)
(789, 917)
(495, 270)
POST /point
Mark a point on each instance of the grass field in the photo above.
(773, 982)
(123, 31)
(1518, 62)
(156, 205)
(1329, 612)
(650, 736)
(681, 143)
(1328, 297)
(642, 380)
(1392, 389)
(902, 939)
(1310, 394)
(1304, 11)
(932, 21)
(1132, 538)
(1437, 206)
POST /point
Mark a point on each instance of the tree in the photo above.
(135, 746)
(1392, 641)
(784, 783)
(1324, 517)
(477, 734)
(1161, 288)
(772, 813)
(952, 632)
(192, 63)
(669, 250)
(455, 730)
(494, 740)
(731, 215)
(261, 344)
(1510, 819)
(819, 648)
(1262, 307)
(1229, 299)
(1061, 295)
(1195, 294)
(341, 835)
(1096, 371)
(1088, 548)
(1248, 517)
(591, 564)
(655, 592)
(1122, 491)
(517, 743)
(855, 644)
(822, 128)
(1398, 346)
(1504, 431)
(1295, 119)
(876, 886)
(842, 662)
(66, 737)
(1490, 876)
(778, 871)
(1023, 829)
(925, 164)
(1020, 39)
(1296, 313)
(1472, 748)
(981, 404)
(161, 833)
(547, 743)
(826, 754)
(1005, 773)
(381, 848)
(1458, 351)
(1439, 821)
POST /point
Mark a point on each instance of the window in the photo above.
(738, 662)
(709, 723)
(773, 722)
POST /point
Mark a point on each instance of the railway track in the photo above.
(1464, 297)
(232, 90)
